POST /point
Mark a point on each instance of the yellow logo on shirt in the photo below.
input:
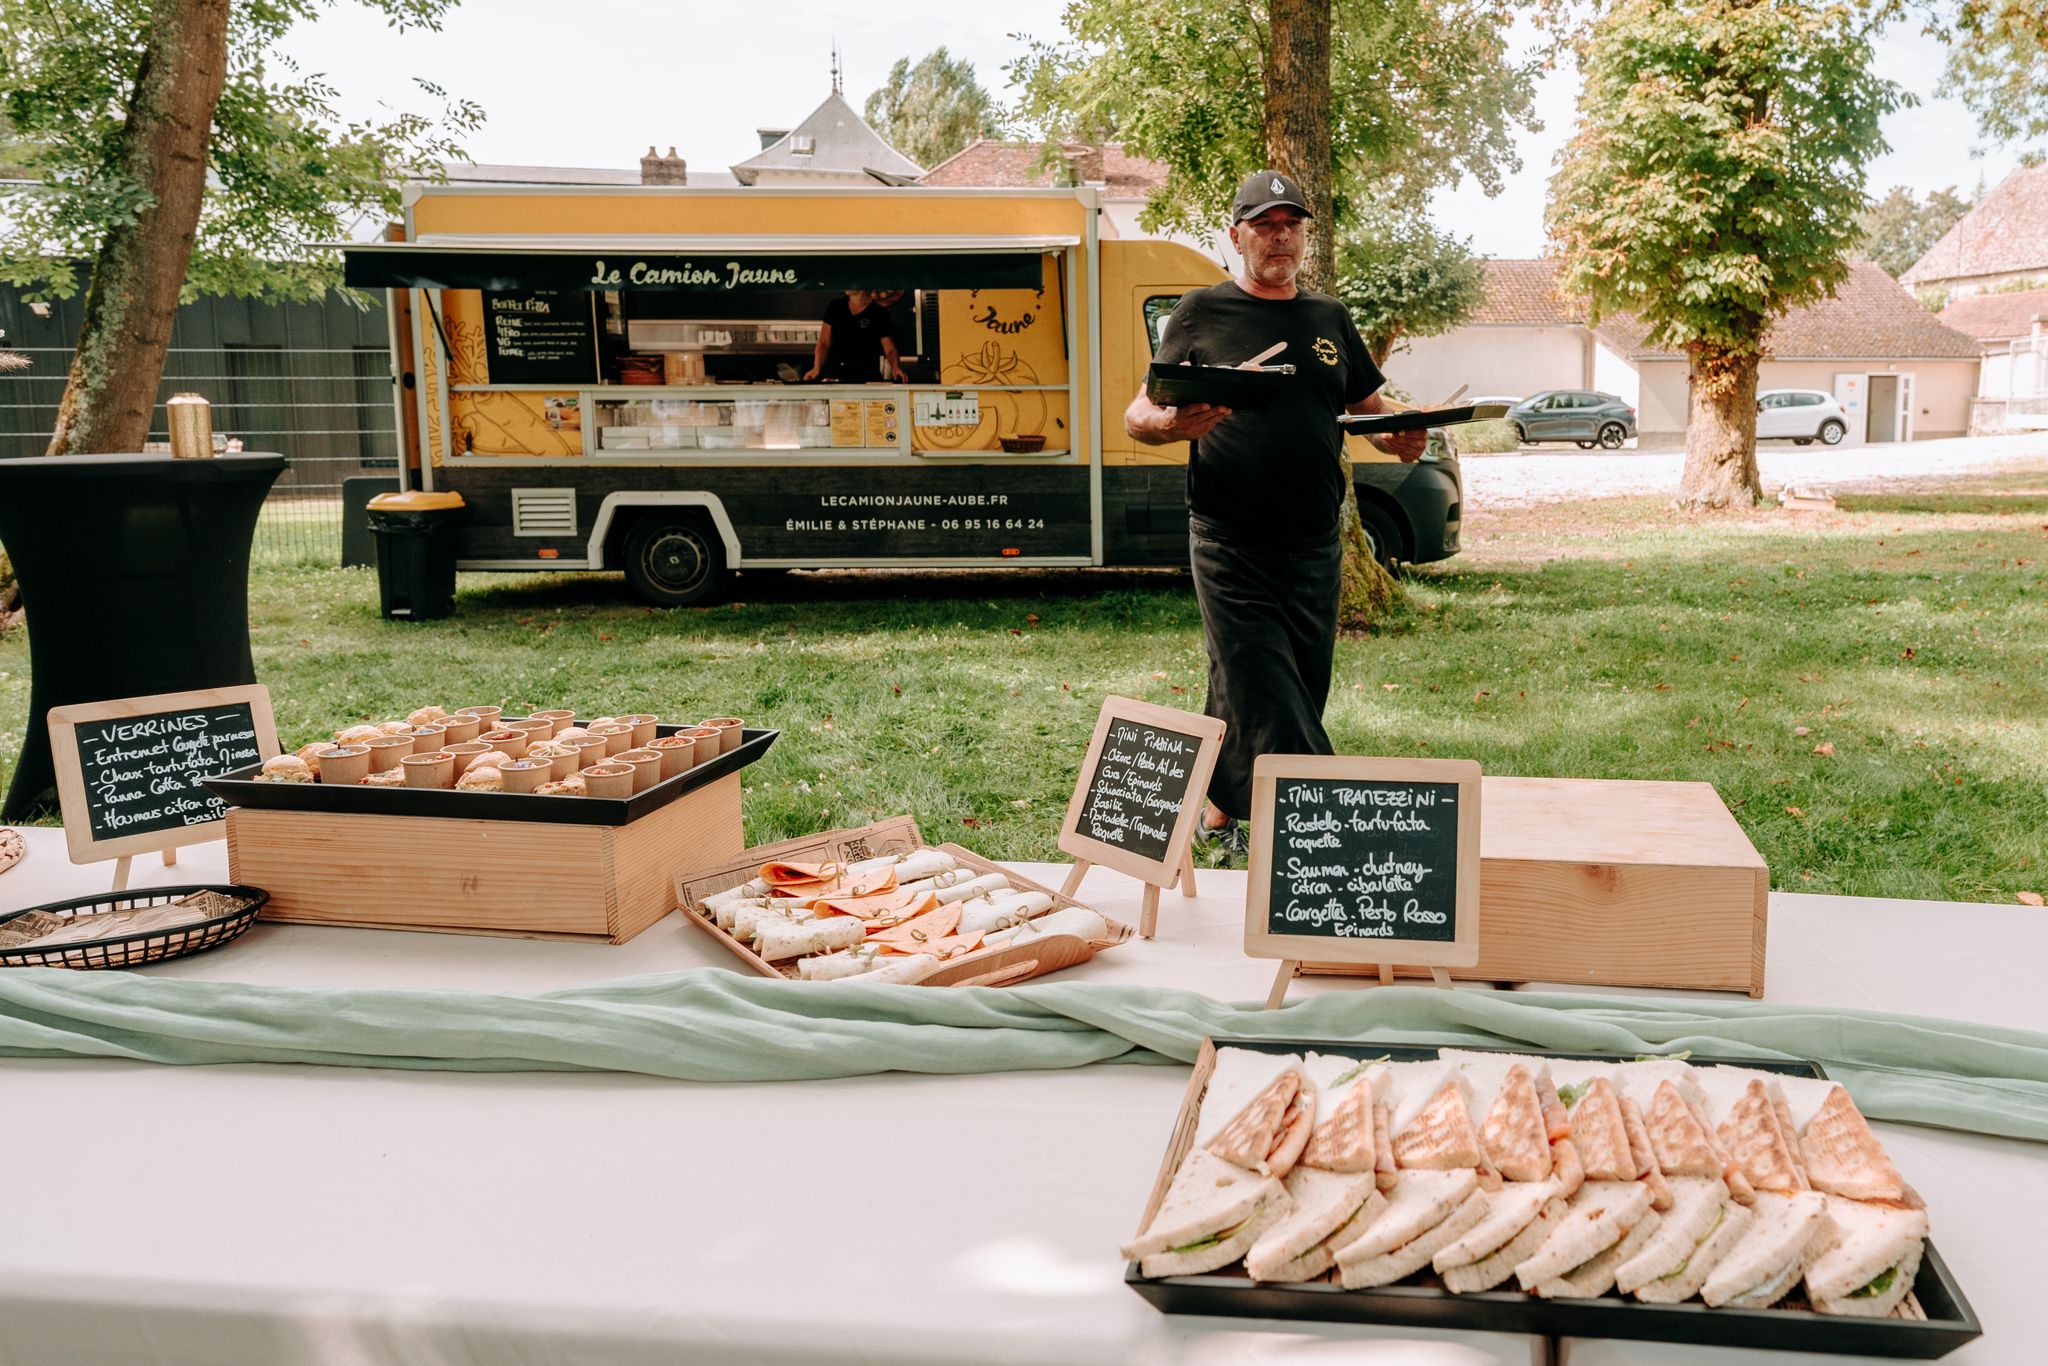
(1326, 351)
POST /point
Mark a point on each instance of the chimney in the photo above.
(663, 170)
(1083, 162)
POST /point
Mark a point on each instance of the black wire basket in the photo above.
(134, 950)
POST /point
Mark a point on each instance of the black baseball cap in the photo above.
(1263, 190)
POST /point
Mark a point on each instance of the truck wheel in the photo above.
(675, 560)
(1384, 538)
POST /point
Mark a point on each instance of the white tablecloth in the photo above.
(287, 1214)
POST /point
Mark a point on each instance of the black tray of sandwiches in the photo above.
(1721, 1203)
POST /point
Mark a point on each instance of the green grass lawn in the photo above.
(1866, 688)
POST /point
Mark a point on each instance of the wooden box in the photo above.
(1001, 965)
(1612, 883)
(524, 879)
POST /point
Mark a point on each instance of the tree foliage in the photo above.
(284, 168)
(932, 109)
(1401, 276)
(1899, 229)
(1998, 66)
(1714, 181)
(1423, 92)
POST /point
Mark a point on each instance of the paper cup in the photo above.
(460, 729)
(564, 764)
(710, 743)
(533, 728)
(590, 749)
(512, 742)
(465, 752)
(429, 739)
(524, 775)
(609, 780)
(731, 730)
(433, 769)
(387, 750)
(677, 752)
(618, 738)
(343, 763)
(646, 767)
(488, 715)
(559, 720)
(643, 728)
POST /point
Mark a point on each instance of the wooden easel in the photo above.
(123, 863)
(1148, 916)
(1289, 966)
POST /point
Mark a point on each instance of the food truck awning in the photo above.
(703, 264)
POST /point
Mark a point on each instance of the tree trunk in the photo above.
(133, 298)
(1297, 128)
(1297, 121)
(1720, 432)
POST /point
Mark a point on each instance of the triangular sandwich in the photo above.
(1513, 1134)
(1597, 1218)
(1601, 1134)
(1681, 1144)
(1751, 1134)
(1213, 1212)
(1440, 1137)
(1518, 1218)
(1321, 1203)
(1418, 1203)
(1594, 1277)
(1871, 1264)
(1342, 1140)
(1268, 1134)
(1360, 1273)
(1700, 1228)
(1764, 1267)
(1843, 1156)
(1645, 1159)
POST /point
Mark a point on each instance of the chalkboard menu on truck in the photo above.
(129, 771)
(541, 337)
(1365, 860)
(1141, 785)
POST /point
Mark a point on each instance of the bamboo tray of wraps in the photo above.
(1001, 965)
(1933, 1320)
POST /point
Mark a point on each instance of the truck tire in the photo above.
(674, 559)
(1389, 546)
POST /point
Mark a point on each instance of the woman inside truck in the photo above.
(855, 341)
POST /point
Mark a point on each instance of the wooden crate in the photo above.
(1611, 883)
(522, 879)
(1001, 965)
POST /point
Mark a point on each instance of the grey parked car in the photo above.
(1581, 415)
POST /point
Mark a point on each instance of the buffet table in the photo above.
(274, 1213)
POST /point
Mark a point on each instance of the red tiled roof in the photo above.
(1522, 293)
(987, 161)
(1997, 317)
(1871, 317)
(2006, 233)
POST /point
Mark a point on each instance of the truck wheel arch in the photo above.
(1375, 505)
(618, 511)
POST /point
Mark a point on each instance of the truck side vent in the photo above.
(544, 512)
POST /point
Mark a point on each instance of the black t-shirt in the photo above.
(1272, 476)
(856, 351)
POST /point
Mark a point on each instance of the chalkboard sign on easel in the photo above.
(1363, 861)
(1139, 794)
(541, 337)
(129, 770)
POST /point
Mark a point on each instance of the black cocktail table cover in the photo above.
(134, 571)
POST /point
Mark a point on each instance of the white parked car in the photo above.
(1802, 416)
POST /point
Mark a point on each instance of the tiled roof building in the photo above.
(2002, 240)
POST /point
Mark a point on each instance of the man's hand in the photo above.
(1157, 426)
(1409, 446)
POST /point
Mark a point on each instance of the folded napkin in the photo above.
(708, 1024)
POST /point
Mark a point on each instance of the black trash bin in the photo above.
(415, 535)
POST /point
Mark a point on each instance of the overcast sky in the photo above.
(594, 82)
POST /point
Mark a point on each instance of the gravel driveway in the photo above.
(1554, 475)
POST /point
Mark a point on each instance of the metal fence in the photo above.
(326, 409)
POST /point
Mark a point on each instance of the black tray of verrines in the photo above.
(240, 788)
(1422, 1302)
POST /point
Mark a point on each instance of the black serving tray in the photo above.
(1950, 1321)
(239, 788)
(1417, 419)
(1172, 386)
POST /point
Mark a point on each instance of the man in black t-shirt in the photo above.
(854, 341)
(1265, 488)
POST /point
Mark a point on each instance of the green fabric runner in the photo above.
(711, 1025)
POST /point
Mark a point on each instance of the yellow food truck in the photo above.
(612, 377)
